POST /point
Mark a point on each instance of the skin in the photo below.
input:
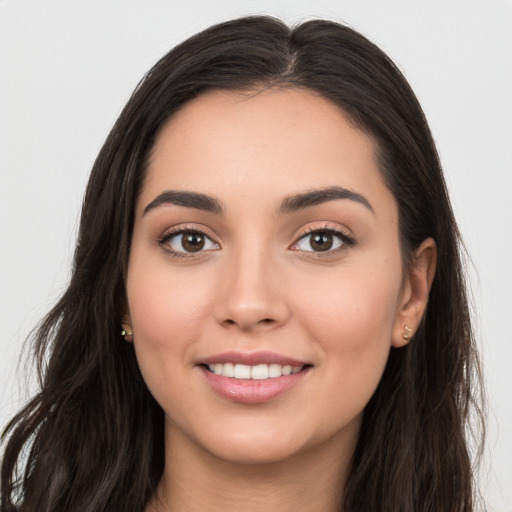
(259, 285)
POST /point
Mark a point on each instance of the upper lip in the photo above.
(252, 359)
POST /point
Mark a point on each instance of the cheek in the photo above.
(351, 321)
(164, 303)
(167, 312)
(354, 303)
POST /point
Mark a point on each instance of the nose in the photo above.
(251, 297)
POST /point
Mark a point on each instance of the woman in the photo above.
(247, 324)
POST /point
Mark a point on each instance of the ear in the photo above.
(415, 291)
(126, 323)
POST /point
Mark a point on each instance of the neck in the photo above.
(195, 480)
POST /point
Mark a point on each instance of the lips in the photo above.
(252, 359)
(252, 378)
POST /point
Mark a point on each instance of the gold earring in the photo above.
(407, 332)
(126, 333)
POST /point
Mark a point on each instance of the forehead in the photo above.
(271, 144)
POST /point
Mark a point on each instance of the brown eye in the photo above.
(321, 241)
(190, 242)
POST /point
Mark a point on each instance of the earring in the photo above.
(407, 332)
(126, 333)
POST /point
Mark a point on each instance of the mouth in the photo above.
(253, 372)
(253, 378)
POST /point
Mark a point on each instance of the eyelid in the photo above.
(181, 229)
(347, 240)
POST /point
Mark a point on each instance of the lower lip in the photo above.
(253, 391)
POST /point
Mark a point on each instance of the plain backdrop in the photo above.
(67, 68)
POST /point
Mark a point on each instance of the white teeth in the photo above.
(228, 370)
(274, 370)
(258, 372)
(242, 371)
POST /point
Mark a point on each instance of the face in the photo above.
(265, 282)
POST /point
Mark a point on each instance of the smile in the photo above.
(257, 372)
(253, 378)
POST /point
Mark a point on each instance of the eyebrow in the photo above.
(289, 205)
(189, 199)
(316, 197)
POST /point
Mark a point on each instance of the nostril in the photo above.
(263, 321)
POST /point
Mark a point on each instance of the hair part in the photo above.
(94, 434)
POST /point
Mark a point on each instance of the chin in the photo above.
(272, 444)
(256, 452)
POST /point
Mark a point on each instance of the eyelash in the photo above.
(346, 240)
(181, 230)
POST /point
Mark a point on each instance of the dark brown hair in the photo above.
(91, 440)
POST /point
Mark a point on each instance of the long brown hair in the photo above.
(92, 440)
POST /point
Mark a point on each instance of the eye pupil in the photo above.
(192, 242)
(321, 241)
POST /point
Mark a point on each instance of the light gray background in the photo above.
(67, 68)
